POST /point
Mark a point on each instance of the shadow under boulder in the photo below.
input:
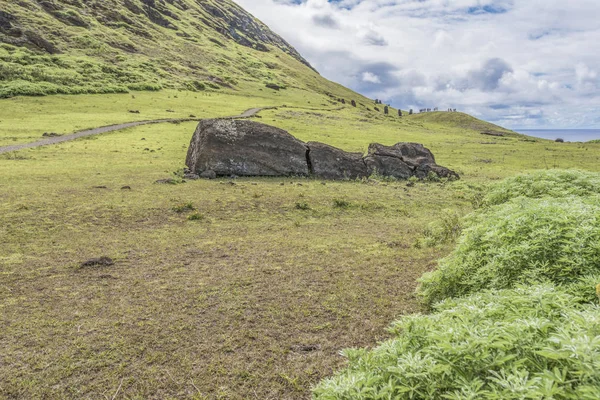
(245, 148)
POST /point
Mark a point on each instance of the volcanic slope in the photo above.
(112, 46)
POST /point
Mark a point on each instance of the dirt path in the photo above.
(111, 128)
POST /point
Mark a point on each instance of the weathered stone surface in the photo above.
(210, 174)
(245, 148)
(6, 20)
(413, 154)
(273, 86)
(388, 166)
(420, 160)
(328, 162)
(423, 171)
(191, 177)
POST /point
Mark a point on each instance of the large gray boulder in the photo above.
(388, 166)
(328, 162)
(413, 154)
(245, 148)
(393, 160)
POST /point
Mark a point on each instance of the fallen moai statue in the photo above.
(246, 148)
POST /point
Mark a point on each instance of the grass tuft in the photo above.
(183, 208)
(341, 203)
(302, 206)
(196, 217)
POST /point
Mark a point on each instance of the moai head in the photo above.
(386, 110)
(353, 103)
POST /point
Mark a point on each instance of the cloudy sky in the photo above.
(522, 64)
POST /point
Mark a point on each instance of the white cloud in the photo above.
(526, 63)
(370, 77)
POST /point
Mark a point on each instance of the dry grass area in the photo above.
(254, 298)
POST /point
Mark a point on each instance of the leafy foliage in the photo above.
(545, 183)
(522, 241)
(535, 342)
(445, 230)
(490, 336)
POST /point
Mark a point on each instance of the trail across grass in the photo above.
(111, 128)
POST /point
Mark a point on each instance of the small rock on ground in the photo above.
(169, 181)
(98, 262)
(191, 177)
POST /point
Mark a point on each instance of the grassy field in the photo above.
(26, 119)
(220, 289)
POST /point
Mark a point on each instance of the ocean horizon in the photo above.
(568, 135)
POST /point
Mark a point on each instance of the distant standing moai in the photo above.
(343, 101)
(353, 103)
(399, 113)
(410, 112)
(386, 110)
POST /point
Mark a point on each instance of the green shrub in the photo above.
(502, 339)
(523, 241)
(301, 205)
(447, 229)
(341, 203)
(550, 183)
(184, 207)
(196, 217)
(24, 88)
(433, 177)
(144, 86)
(525, 343)
(195, 86)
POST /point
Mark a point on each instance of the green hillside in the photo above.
(72, 46)
(460, 120)
(206, 46)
